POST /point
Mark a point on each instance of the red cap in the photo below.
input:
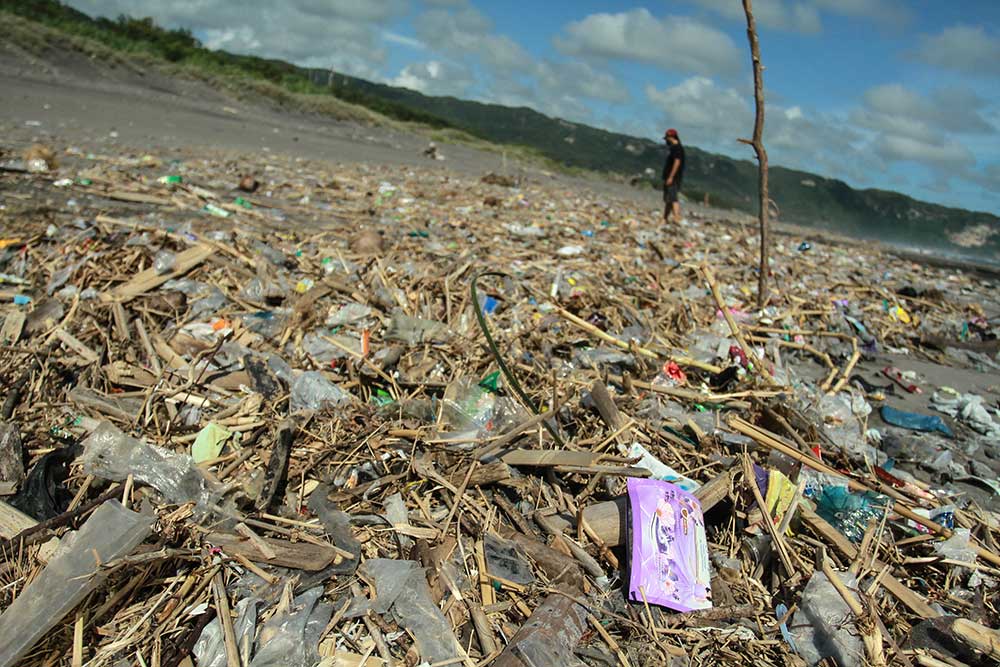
(671, 133)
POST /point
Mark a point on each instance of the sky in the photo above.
(893, 94)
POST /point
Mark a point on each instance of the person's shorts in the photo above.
(671, 193)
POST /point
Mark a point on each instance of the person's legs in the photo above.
(672, 204)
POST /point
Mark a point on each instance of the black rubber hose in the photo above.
(507, 373)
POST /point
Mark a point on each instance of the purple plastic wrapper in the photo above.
(669, 552)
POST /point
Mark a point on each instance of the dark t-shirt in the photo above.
(675, 153)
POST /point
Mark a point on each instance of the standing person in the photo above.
(673, 176)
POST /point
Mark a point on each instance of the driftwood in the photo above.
(294, 420)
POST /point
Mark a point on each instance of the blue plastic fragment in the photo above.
(780, 611)
(915, 422)
(22, 299)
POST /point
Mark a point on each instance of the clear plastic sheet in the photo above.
(110, 454)
(291, 638)
(824, 624)
(111, 532)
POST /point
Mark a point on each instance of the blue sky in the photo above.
(892, 94)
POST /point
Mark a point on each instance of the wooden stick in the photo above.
(77, 659)
(871, 635)
(256, 569)
(373, 630)
(843, 545)
(226, 619)
(978, 637)
(487, 642)
(256, 540)
(851, 363)
(617, 342)
(764, 208)
(776, 538)
(458, 498)
(589, 564)
(608, 639)
(763, 437)
(734, 327)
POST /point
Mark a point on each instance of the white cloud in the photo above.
(241, 40)
(932, 153)
(963, 48)
(403, 40)
(953, 109)
(579, 79)
(925, 129)
(342, 34)
(479, 63)
(803, 16)
(893, 12)
(775, 14)
(469, 31)
(794, 113)
(704, 113)
(677, 44)
(435, 78)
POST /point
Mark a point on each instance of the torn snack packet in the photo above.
(668, 561)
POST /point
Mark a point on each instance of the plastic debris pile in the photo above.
(345, 415)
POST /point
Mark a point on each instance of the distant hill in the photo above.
(802, 198)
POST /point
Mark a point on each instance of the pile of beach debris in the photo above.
(292, 413)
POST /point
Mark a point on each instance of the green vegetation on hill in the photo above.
(802, 198)
(143, 36)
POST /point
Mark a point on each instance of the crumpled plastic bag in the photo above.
(969, 408)
(210, 649)
(291, 638)
(957, 547)
(413, 330)
(110, 454)
(401, 586)
(824, 624)
(312, 391)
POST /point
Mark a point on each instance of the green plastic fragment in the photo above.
(491, 382)
(382, 397)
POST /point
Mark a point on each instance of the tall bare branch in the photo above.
(758, 147)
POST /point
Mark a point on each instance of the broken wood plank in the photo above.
(13, 521)
(495, 472)
(149, 279)
(606, 407)
(13, 325)
(299, 555)
(548, 457)
(76, 345)
(138, 198)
